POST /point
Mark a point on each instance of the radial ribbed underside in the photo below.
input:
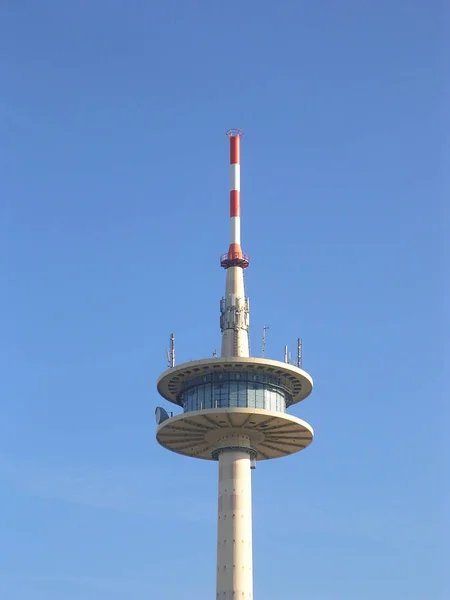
(198, 433)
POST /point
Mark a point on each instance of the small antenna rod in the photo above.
(264, 329)
(299, 352)
(172, 350)
(170, 354)
(285, 354)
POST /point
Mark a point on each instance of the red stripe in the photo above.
(234, 251)
(235, 207)
(235, 157)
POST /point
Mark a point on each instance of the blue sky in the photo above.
(114, 211)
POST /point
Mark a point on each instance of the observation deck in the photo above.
(174, 381)
(235, 397)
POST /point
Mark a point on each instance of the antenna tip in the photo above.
(234, 132)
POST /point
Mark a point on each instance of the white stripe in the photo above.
(235, 177)
(235, 230)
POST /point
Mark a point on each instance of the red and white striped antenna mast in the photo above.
(235, 257)
(234, 307)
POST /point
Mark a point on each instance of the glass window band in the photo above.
(235, 390)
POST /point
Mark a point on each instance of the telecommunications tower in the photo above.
(234, 409)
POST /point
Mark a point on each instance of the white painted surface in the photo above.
(235, 282)
(234, 529)
(235, 177)
(235, 230)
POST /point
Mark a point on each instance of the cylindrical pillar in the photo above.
(234, 531)
(235, 190)
(234, 320)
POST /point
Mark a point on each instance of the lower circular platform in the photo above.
(198, 433)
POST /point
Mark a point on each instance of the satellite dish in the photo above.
(160, 415)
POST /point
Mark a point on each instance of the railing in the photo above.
(237, 259)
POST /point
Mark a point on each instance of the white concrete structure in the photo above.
(234, 411)
(234, 531)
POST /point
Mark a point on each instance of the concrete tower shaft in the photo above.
(234, 527)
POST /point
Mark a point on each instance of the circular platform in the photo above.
(199, 433)
(171, 382)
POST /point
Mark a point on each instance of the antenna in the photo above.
(286, 354)
(234, 306)
(170, 354)
(299, 352)
(172, 350)
(161, 415)
(264, 329)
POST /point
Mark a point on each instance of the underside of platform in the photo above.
(198, 433)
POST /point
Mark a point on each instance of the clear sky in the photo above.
(114, 212)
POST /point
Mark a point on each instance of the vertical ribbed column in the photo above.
(234, 531)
